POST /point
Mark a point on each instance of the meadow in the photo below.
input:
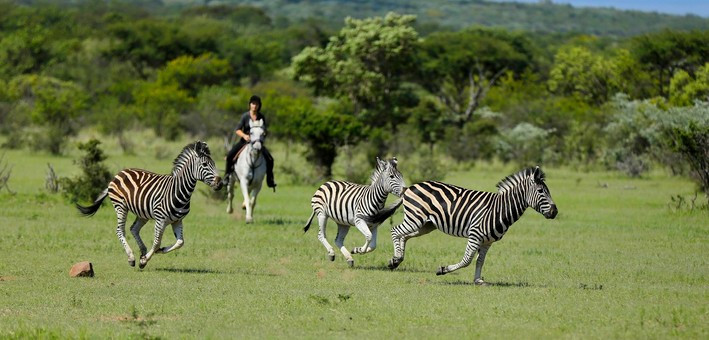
(618, 262)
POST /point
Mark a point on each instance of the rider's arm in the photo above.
(242, 135)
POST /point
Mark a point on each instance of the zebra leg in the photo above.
(364, 229)
(322, 222)
(135, 230)
(247, 198)
(470, 249)
(479, 264)
(372, 243)
(177, 229)
(120, 232)
(230, 194)
(399, 236)
(157, 238)
(342, 231)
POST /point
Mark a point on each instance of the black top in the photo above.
(244, 122)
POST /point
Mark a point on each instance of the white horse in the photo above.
(250, 169)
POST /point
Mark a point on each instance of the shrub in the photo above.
(94, 178)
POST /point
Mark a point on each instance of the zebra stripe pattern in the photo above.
(362, 206)
(163, 198)
(481, 217)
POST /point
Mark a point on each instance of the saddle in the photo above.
(239, 153)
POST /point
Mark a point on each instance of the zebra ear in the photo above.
(380, 163)
(394, 162)
(538, 174)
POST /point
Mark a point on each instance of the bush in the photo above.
(95, 176)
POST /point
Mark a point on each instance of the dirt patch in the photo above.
(7, 278)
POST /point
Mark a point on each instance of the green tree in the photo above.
(685, 89)
(51, 103)
(664, 53)
(364, 64)
(580, 73)
(161, 107)
(192, 73)
(461, 67)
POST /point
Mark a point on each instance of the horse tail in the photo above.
(383, 214)
(92, 209)
(307, 225)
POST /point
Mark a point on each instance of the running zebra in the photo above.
(481, 217)
(163, 198)
(362, 206)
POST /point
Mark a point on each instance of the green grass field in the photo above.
(616, 263)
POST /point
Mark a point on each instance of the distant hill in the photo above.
(544, 16)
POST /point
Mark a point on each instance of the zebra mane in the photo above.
(381, 165)
(513, 180)
(199, 148)
(377, 172)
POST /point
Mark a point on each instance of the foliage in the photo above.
(94, 178)
(49, 102)
(192, 73)
(365, 64)
(688, 135)
(324, 131)
(664, 53)
(578, 72)
(685, 89)
(524, 145)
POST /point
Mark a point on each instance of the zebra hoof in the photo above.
(350, 263)
(249, 220)
(331, 257)
(143, 262)
(229, 210)
(441, 271)
(131, 263)
(393, 264)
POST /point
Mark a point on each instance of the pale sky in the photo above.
(681, 7)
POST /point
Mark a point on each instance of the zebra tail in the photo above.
(383, 214)
(307, 225)
(92, 209)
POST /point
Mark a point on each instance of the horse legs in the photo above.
(409, 228)
(230, 194)
(470, 249)
(157, 238)
(180, 241)
(322, 223)
(244, 183)
(254, 193)
(342, 231)
(135, 230)
(121, 215)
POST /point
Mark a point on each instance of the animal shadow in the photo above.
(521, 284)
(400, 269)
(190, 270)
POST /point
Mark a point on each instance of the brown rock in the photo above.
(82, 269)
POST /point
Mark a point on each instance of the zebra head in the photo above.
(538, 195)
(206, 170)
(390, 176)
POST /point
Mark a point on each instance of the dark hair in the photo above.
(257, 100)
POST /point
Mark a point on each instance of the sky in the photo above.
(681, 7)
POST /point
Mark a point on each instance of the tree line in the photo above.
(377, 83)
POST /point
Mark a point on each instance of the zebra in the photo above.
(362, 206)
(481, 217)
(163, 198)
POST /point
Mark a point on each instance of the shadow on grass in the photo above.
(522, 284)
(189, 270)
(212, 271)
(386, 269)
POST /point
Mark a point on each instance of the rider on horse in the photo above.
(242, 130)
